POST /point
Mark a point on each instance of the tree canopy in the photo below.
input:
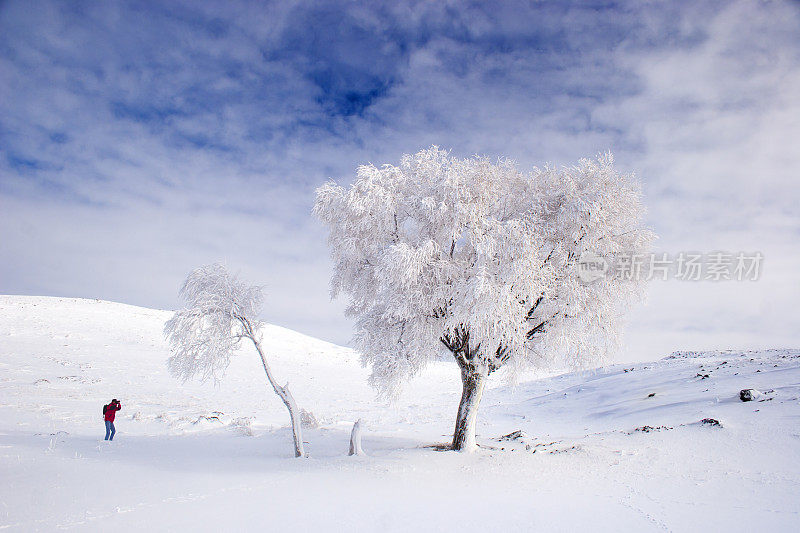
(477, 258)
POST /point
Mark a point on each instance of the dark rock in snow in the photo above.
(748, 395)
(514, 435)
(711, 422)
(651, 394)
(648, 429)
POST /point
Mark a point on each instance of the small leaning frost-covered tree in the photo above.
(220, 312)
(477, 259)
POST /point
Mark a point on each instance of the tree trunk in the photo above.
(288, 401)
(355, 439)
(473, 381)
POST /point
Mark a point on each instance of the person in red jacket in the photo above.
(109, 412)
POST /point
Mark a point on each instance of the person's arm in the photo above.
(119, 406)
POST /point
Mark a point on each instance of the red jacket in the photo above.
(111, 411)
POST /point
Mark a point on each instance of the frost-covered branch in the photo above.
(220, 312)
(478, 258)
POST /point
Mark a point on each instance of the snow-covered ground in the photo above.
(619, 448)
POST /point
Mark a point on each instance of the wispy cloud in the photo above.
(140, 140)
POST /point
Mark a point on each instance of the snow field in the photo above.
(596, 450)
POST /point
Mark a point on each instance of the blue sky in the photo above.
(139, 140)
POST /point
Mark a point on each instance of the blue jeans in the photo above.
(110, 430)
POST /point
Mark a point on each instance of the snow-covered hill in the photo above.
(620, 448)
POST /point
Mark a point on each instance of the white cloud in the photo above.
(140, 143)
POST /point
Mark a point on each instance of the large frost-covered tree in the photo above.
(220, 312)
(477, 259)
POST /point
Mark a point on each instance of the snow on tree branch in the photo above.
(477, 259)
(220, 311)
